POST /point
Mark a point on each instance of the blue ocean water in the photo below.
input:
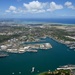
(40, 20)
(48, 20)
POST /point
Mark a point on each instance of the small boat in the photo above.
(19, 72)
(13, 73)
(49, 70)
(33, 68)
(37, 71)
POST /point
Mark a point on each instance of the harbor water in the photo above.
(43, 60)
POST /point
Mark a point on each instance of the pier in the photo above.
(67, 67)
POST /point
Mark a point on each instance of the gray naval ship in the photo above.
(2, 54)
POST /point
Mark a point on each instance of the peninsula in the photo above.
(13, 37)
(63, 70)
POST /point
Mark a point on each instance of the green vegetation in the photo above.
(7, 37)
(60, 34)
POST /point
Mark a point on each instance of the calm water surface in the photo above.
(43, 60)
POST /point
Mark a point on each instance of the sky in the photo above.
(37, 8)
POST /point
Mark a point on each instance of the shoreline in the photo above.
(59, 41)
(26, 21)
(66, 24)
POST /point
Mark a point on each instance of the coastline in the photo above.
(62, 24)
(41, 20)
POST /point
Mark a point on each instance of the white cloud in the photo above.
(54, 6)
(69, 5)
(32, 7)
(72, 7)
(35, 6)
(38, 7)
(41, 11)
(7, 11)
(11, 9)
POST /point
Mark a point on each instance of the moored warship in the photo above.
(3, 55)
